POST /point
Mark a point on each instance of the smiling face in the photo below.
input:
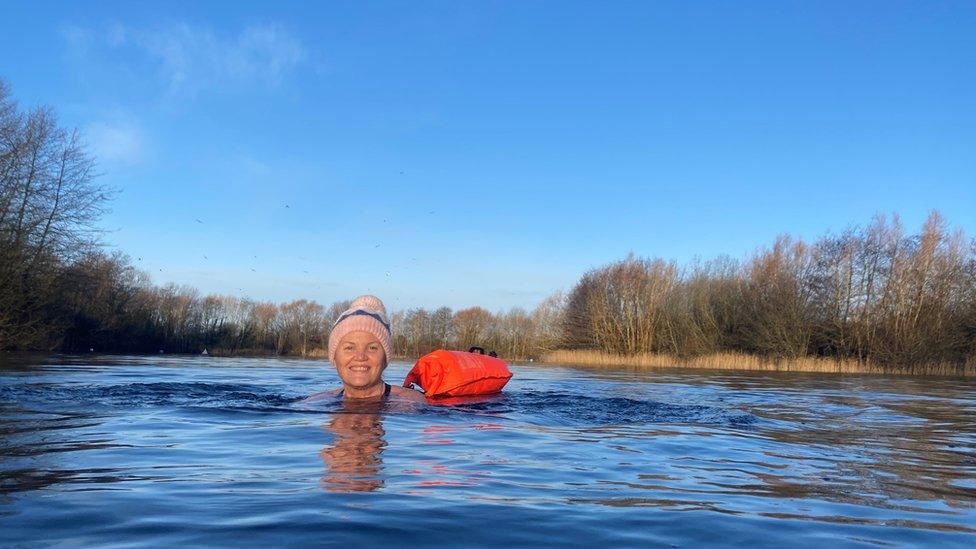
(360, 361)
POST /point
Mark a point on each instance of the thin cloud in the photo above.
(190, 59)
(116, 141)
(77, 37)
(250, 166)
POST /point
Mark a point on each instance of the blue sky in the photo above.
(489, 153)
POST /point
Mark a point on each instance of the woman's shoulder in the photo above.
(324, 395)
(407, 393)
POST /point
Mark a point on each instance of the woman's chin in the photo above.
(359, 380)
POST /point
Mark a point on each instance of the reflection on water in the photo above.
(97, 450)
(26, 437)
(354, 458)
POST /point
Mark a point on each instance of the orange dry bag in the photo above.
(455, 373)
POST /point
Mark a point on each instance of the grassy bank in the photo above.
(736, 361)
(262, 353)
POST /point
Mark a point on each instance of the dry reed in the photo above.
(739, 361)
(317, 353)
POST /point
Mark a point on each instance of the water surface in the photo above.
(194, 451)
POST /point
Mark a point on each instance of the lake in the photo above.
(162, 450)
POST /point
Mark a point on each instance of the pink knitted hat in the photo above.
(365, 314)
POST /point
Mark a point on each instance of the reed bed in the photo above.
(317, 353)
(740, 361)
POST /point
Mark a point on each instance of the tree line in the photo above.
(107, 305)
(875, 294)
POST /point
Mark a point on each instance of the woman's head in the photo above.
(360, 343)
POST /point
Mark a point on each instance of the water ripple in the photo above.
(209, 451)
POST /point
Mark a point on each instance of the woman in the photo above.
(359, 346)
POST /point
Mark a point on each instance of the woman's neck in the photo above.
(364, 392)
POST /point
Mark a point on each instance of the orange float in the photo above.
(456, 373)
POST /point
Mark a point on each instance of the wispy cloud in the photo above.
(190, 59)
(117, 140)
(253, 167)
(77, 37)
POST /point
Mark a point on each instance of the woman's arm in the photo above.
(406, 393)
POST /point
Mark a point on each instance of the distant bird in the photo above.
(140, 259)
(253, 270)
(376, 246)
(401, 173)
(198, 221)
(287, 206)
(205, 257)
(432, 211)
(306, 272)
(387, 273)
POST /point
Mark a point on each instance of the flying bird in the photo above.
(198, 221)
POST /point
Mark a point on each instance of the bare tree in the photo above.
(49, 206)
(471, 326)
(548, 321)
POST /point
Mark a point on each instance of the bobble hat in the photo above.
(366, 314)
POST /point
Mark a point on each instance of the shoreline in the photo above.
(745, 362)
(591, 359)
